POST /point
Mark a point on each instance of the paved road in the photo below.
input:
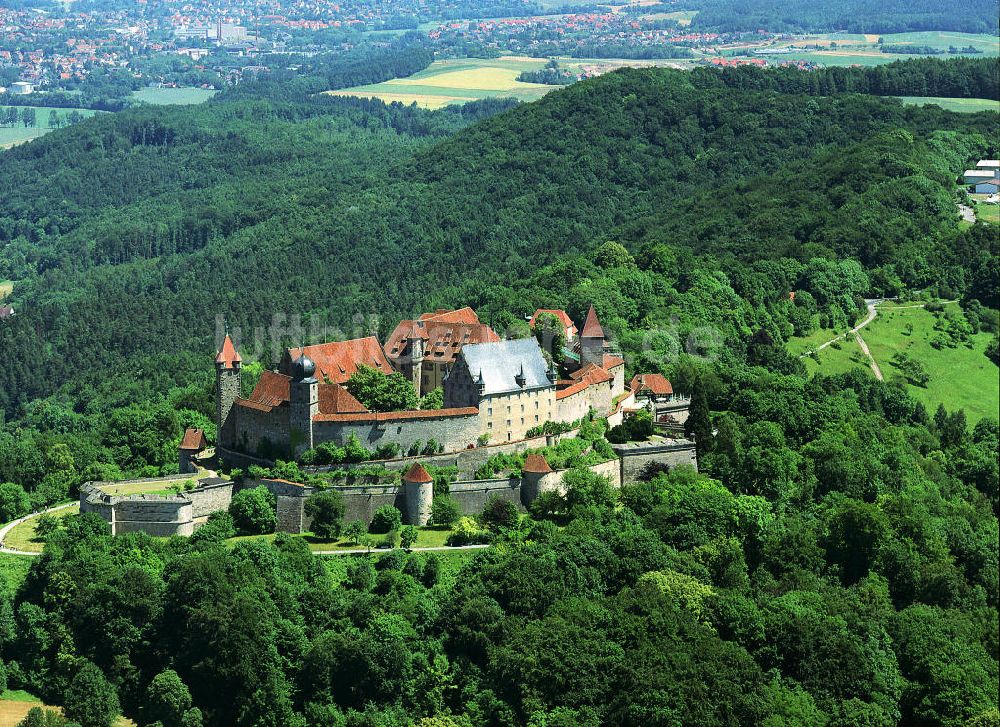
(11, 525)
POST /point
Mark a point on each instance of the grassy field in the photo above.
(23, 536)
(9, 136)
(429, 537)
(988, 212)
(961, 105)
(6, 286)
(451, 564)
(960, 377)
(15, 704)
(173, 96)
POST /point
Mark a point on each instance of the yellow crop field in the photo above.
(488, 78)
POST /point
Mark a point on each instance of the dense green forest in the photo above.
(854, 16)
(833, 563)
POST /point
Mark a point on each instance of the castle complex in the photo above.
(494, 390)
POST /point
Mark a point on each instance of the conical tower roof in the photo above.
(228, 354)
(417, 473)
(592, 326)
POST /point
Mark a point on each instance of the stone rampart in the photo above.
(635, 457)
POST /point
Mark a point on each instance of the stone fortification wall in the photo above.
(210, 498)
(254, 426)
(472, 495)
(453, 432)
(634, 457)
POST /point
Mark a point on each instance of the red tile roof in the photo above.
(396, 416)
(653, 383)
(335, 399)
(272, 389)
(417, 473)
(443, 333)
(337, 361)
(583, 378)
(536, 464)
(194, 440)
(612, 362)
(228, 354)
(592, 327)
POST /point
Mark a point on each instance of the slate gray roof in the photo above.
(499, 363)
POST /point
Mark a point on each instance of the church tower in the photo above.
(303, 404)
(228, 364)
(592, 340)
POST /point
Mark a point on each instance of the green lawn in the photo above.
(960, 377)
(451, 563)
(173, 96)
(961, 105)
(834, 360)
(429, 537)
(988, 213)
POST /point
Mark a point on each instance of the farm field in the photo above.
(173, 96)
(960, 377)
(961, 105)
(863, 50)
(12, 135)
(460, 80)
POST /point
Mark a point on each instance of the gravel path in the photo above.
(14, 523)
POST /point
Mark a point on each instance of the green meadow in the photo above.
(961, 105)
(173, 96)
(960, 378)
(18, 134)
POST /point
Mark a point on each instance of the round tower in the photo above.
(304, 404)
(532, 474)
(418, 493)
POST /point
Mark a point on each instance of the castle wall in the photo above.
(473, 495)
(210, 498)
(154, 515)
(636, 456)
(254, 426)
(451, 432)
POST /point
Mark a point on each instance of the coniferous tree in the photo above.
(699, 421)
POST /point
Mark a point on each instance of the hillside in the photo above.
(833, 560)
(180, 213)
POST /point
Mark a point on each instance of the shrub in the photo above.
(499, 513)
(444, 511)
(327, 512)
(217, 528)
(467, 532)
(414, 449)
(355, 531)
(386, 518)
(408, 536)
(253, 511)
(387, 451)
(391, 539)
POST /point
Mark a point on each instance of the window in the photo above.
(522, 407)
(536, 404)
(508, 422)
(489, 411)
(489, 425)
(536, 417)
(522, 420)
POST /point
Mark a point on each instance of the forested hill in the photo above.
(247, 209)
(833, 562)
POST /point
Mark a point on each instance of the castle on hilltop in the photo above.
(494, 390)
